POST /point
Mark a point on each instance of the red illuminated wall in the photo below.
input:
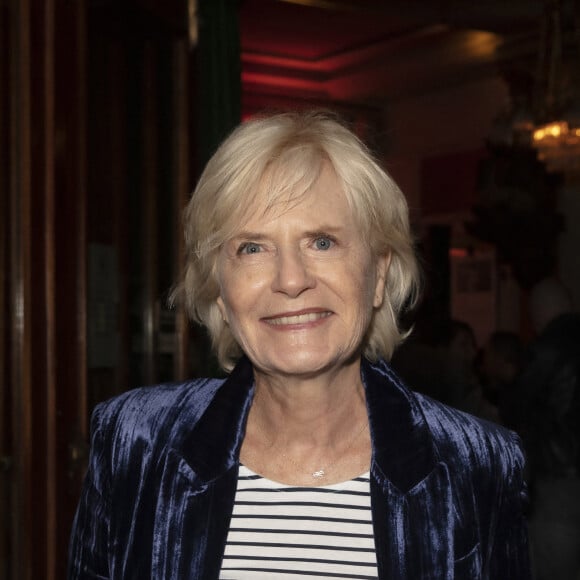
(449, 182)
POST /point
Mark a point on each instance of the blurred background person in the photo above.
(458, 347)
(499, 364)
(546, 411)
(447, 350)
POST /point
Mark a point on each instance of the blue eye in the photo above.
(249, 248)
(323, 243)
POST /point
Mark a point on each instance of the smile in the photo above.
(298, 318)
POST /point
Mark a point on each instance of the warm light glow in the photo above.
(192, 21)
(480, 43)
(558, 146)
(551, 130)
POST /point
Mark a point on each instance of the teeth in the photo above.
(299, 319)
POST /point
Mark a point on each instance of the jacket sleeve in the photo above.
(510, 557)
(88, 550)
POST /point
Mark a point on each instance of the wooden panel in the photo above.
(5, 229)
(117, 107)
(43, 350)
(42, 320)
(20, 299)
(107, 214)
(180, 193)
(149, 258)
(70, 267)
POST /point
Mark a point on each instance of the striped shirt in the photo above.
(284, 532)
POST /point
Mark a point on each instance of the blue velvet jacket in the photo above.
(447, 491)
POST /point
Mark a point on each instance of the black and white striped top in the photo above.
(284, 532)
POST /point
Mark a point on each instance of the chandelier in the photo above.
(549, 119)
(558, 146)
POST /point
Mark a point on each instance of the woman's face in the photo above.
(298, 286)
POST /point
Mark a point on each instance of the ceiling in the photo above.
(371, 51)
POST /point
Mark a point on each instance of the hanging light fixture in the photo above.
(556, 131)
(547, 117)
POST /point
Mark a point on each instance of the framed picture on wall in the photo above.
(473, 289)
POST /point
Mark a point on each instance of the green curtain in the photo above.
(220, 85)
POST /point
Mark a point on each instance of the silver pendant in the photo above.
(318, 474)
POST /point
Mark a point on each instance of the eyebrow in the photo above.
(324, 229)
(249, 236)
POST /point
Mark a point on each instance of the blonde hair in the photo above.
(274, 160)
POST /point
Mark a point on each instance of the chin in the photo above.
(307, 364)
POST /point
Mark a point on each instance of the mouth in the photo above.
(294, 319)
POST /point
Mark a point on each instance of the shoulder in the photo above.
(462, 438)
(469, 446)
(152, 412)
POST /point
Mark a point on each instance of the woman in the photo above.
(311, 458)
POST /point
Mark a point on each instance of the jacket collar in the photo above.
(403, 452)
(213, 446)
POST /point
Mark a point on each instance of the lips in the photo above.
(294, 319)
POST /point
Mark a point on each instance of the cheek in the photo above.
(229, 305)
(361, 294)
(240, 297)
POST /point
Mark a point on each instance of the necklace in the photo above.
(324, 470)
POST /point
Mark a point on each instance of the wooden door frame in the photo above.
(44, 328)
(43, 271)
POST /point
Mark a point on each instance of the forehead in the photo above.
(318, 200)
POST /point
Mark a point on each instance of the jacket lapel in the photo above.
(199, 484)
(410, 489)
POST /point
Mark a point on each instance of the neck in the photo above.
(297, 412)
(308, 432)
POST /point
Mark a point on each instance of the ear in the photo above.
(382, 269)
(222, 308)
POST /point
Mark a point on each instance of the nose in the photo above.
(293, 275)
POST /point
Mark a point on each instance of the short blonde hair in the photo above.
(275, 159)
